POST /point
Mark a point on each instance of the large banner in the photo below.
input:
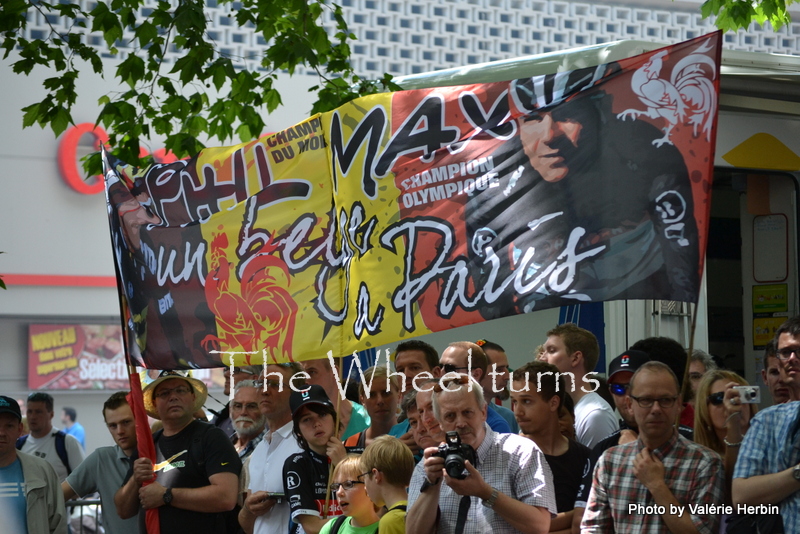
(406, 213)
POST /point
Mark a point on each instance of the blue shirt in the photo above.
(13, 505)
(496, 422)
(399, 429)
(506, 414)
(78, 432)
(771, 445)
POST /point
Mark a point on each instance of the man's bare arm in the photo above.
(127, 499)
(219, 496)
(69, 493)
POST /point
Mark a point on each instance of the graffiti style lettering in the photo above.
(363, 322)
(423, 131)
(494, 122)
(371, 128)
(557, 277)
(167, 268)
(414, 284)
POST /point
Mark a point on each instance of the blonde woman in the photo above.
(721, 419)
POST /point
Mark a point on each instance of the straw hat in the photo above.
(198, 387)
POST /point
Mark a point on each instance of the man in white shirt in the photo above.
(575, 352)
(63, 451)
(263, 511)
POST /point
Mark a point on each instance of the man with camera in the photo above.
(494, 482)
(767, 472)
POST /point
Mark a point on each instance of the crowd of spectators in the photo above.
(674, 444)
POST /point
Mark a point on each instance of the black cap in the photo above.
(630, 360)
(313, 395)
(9, 405)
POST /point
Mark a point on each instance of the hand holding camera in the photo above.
(455, 454)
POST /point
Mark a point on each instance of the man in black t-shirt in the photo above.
(196, 475)
(538, 395)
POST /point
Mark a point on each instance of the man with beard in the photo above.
(248, 420)
(510, 489)
(578, 181)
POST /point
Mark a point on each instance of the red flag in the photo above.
(147, 448)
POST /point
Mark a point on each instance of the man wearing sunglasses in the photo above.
(647, 485)
(768, 466)
(465, 357)
(508, 489)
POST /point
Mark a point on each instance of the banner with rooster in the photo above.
(405, 213)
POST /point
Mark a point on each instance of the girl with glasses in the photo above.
(360, 513)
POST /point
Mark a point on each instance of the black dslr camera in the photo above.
(455, 454)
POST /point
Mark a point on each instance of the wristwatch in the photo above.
(167, 496)
(796, 472)
(490, 502)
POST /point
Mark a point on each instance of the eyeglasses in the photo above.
(647, 402)
(166, 393)
(618, 389)
(450, 368)
(716, 398)
(362, 475)
(347, 484)
(786, 353)
(461, 380)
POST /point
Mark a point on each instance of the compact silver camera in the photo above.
(749, 394)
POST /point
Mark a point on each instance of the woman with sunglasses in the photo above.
(721, 421)
(360, 513)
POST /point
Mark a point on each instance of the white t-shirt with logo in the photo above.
(45, 448)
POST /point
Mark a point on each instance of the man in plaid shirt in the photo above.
(508, 490)
(661, 482)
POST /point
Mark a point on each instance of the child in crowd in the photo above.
(387, 465)
(360, 514)
(305, 474)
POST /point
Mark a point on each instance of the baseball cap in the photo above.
(315, 394)
(9, 405)
(630, 360)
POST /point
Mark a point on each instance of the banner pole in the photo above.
(336, 433)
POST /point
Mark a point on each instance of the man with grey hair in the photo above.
(248, 420)
(510, 489)
(647, 485)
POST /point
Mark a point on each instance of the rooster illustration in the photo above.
(260, 314)
(688, 97)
